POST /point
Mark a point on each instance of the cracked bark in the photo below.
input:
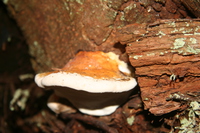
(167, 59)
(56, 30)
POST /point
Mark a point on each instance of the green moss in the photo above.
(179, 43)
(146, 99)
(193, 40)
(189, 123)
(192, 50)
(180, 46)
(161, 53)
(196, 33)
(160, 33)
(150, 54)
(172, 24)
(37, 51)
(187, 31)
(66, 6)
(130, 7)
(20, 98)
(35, 43)
(122, 18)
(5, 1)
(80, 1)
(174, 31)
(130, 120)
(137, 56)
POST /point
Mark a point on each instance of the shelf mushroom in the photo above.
(96, 83)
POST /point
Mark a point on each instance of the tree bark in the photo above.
(167, 59)
(57, 30)
(151, 35)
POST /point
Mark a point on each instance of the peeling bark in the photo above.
(161, 45)
(167, 59)
(56, 30)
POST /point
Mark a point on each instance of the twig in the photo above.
(90, 120)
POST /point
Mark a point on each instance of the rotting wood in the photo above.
(193, 6)
(53, 40)
(167, 59)
(56, 30)
(91, 121)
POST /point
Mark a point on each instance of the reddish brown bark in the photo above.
(56, 30)
(167, 62)
(159, 50)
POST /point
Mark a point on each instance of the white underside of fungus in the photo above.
(96, 83)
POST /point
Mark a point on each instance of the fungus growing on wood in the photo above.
(96, 83)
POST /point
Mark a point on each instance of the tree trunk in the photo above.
(151, 35)
(167, 63)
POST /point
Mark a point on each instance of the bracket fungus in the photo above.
(96, 83)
